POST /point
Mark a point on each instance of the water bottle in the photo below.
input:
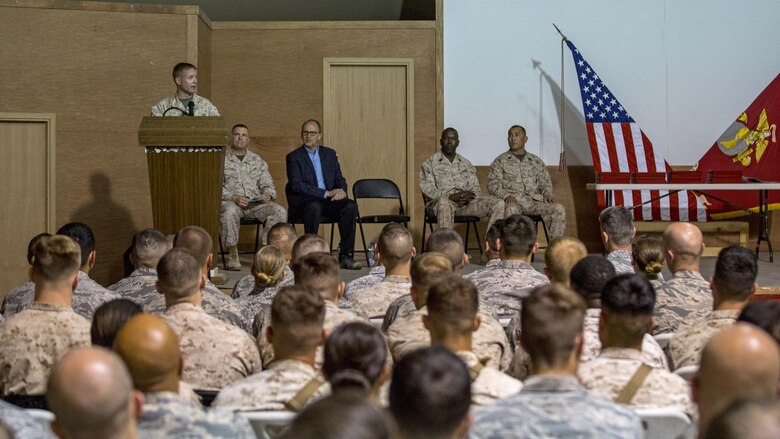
(371, 252)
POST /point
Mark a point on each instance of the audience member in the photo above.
(148, 247)
(355, 360)
(32, 340)
(522, 181)
(91, 395)
(449, 183)
(746, 419)
(283, 236)
(291, 380)
(732, 284)
(109, 319)
(19, 298)
(340, 416)
(553, 403)
(491, 244)
(738, 362)
(617, 232)
(430, 395)
(247, 192)
(619, 373)
(560, 256)
(452, 319)
(765, 314)
(268, 273)
(19, 424)
(185, 76)
(150, 349)
(216, 353)
(685, 299)
(647, 257)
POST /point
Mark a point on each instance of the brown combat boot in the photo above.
(233, 261)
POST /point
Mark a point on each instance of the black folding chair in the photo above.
(378, 188)
(470, 221)
(244, 222)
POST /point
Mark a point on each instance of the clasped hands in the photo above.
(336, 194)
(244, 201)
(462, 198)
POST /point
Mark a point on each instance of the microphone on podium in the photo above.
(191, 106)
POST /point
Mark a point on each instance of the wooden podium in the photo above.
(186, 157)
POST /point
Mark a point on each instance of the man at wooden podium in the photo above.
(185, 102)
(316, 188)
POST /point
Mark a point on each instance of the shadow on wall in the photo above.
(112, 225)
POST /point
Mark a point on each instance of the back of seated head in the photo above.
(282, 235)
(31, 245)
(308, 243)
(627, 303)
(109, 319)
(430, 393)
(82, 234)
(453, 303)
(297, 315)
(493, 234)
(746, 418)
(90, 393)
(55, 258)
(150, 349)
(178, 274)
(765, 314)
(648, 253)
(197, 240)
(551, 319)
(149, 245)
(427, 269)
(449, 243)
(561, 255)
(589, 275)
(395, 244)
(340, 416)
(618, 223)
(735, 274)
(320, 273)
(683, 243)
(355, 355)
(518, 236)
(268, 267)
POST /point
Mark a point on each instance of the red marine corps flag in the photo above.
(749, 146)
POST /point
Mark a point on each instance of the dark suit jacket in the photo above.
(302, 180)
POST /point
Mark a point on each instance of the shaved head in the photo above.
(683, 243)
(91, 394)
(283, 235)
(739, 362)
(308, 243)
(395, 245)
(449, 243)
(197, 240)
(150, 349)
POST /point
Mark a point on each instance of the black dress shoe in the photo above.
(348, 263)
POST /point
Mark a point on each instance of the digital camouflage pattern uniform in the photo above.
(607, 374)
(165, 415)
(272, 388)
(32, 341)
(247, 178)
(203, 107)
(215, 353)
(87, 297)
(439, 178)
(526, 178)
(490, 384)
(558, 407)
(375, 299)
(258, 301)
(21, 425)
(18, 299)
(374, 276)
(685, 346)
(506, 283)
(681, 302)
(404, 305)
(621, 260)
(246, 285)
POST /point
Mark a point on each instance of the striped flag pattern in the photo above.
(617, 144)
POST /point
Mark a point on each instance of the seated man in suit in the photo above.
(316, 188)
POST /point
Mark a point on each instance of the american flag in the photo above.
(617, 144)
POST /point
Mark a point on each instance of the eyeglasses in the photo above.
(309, 133)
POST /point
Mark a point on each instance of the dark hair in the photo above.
(109, 319)
(517, 126)
(340, 416)
(31, 245)
(355, 355)
(551, 318)
(629, 293)
(765, 314)
(149, 245)
(588, 276)
(452, 303)
(319, 127)
(180, 67)
(493, 234)
(451, 129)
(82, 234)
(301, 312)
(518, 235)
(447, 242)
(238, 125)
(736, 270)
(195, 239)
(618, 222)
(319, 272)
(308, 243)
(430, 393)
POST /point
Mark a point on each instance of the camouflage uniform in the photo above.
(685, 346)
(526, 178)
(203, 107)
(258, 300)
(140, 287)
(272, 388)
(621, 259)
(87, 297)
(32, 341)
(215, 353)
(439, 178)
(681, 302)
(375, 300)
(247, 178)
(18, 299)
(334, 317)
(21, 425)
(407, 333)
(506, 283)
(555, 407)
(490, 384)
(374, 276)
(404, 305)
(166, 415)
(607, 374)
(246, 285)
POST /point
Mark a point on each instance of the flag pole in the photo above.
(562, 158)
